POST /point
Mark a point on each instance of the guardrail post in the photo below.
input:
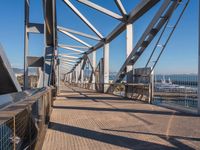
(14, 133)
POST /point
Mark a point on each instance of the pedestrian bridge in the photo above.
(74, 104)
(84, 119)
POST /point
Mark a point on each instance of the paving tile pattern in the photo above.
(86, 120)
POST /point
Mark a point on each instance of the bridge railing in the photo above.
(23, 124)
(140, 91)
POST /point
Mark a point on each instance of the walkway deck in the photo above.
(83, 119)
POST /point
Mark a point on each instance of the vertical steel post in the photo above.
(199, 62)
(70, 78)
(129, 68)
(26, 39)
(76, 76)
(94, 67)
(82, 72)
(59, 77)
(106, 66)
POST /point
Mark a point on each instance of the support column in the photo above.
(82, 72)
(199, 65)
(26, 39)
(94, 67)
(106, 66)
(129, 68)
(70, 78)
(79, 72)
(58, 76)
(76, 76)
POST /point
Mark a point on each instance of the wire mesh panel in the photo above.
(27, 122)
(6, 134)
(179, 89)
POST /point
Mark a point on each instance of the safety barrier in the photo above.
(23, 124)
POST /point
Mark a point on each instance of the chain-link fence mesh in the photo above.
(21, 124)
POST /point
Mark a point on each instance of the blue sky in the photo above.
(180, 55)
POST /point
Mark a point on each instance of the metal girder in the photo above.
(79, 33)
(106, 66)
(36, 28)
(70, 63)
(49, 7)
(101, 9)
(78, 13)
(64, 69)
(74, 37)
(157, 22)
(121, 7)
(67, 64)
(69, 48)
(35, 61)
(68, 56)
(67, 60)
(134, 15)
(26, 42)
(8, 80)
(142, 8)
(77, 46)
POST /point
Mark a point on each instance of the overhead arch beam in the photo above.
(68, 56)
(79, 33)
(69, 63)
(78, 13)
(143, 7)
(69, 48)
(101, 9)
(68, 60)
(74, 37)
(121, 7)
(77, 46)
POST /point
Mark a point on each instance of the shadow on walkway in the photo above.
(116, 140)
(155, 112)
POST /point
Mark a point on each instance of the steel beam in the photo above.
(70, 48)
(36, 28)
(35, 61)
(50, 42)
(69, 63)
(68, 60)
(78, 13)
(134, 15)
(26, 39)
(75, 38)
(79, 33)
(129, 68)
(121, 7)
(94, 66)
(77, 46)
(8, 80)
(68, 56)
(101, 9)
(155, 20)
(106, 66)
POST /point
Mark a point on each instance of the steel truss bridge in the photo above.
(70, 109)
